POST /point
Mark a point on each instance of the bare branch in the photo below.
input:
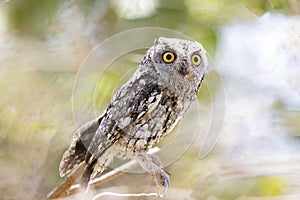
(61, 190)
(67, 187)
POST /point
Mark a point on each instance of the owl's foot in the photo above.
(153, 165)
(162, 180)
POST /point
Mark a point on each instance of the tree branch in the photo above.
(67, 187)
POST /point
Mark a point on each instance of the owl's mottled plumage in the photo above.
(142, 111)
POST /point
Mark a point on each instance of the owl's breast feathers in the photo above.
(151, 111)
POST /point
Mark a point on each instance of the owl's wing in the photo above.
(140, 106)
(152, 103)
(78, 147)
(144, 102)
(99, 145)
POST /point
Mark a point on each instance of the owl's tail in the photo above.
(77, 150)
(88, 170)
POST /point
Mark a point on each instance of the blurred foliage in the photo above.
(289, 118)
(257, 187)
(31, 16)
(42, 45)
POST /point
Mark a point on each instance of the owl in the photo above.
(141, 112)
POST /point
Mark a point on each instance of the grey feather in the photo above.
(78, 148)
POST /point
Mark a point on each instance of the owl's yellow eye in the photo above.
(196, 60)
(168, 57)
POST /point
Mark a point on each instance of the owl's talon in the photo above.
(162, 181)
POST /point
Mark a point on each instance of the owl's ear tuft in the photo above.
(156, 41)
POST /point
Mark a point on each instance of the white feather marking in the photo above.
(150, 108)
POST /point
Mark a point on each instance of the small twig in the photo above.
(98, 196)
(105, 177)
(61, 190)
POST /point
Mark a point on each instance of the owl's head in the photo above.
(178, 61)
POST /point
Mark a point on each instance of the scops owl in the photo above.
(142, 111)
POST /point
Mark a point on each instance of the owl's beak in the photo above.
(183, 68)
